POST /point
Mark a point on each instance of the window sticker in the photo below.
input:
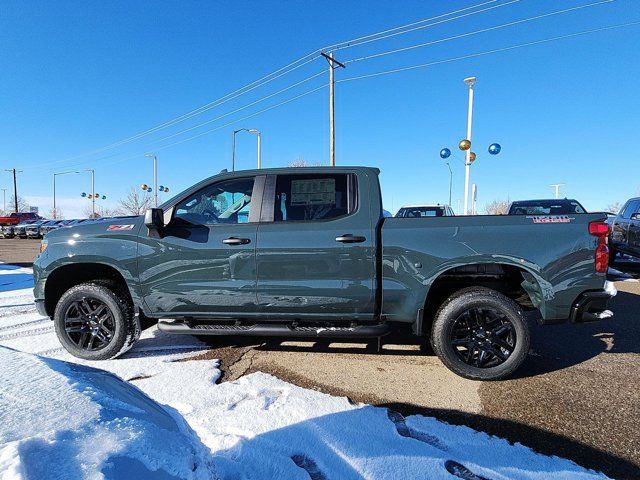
(317, 191)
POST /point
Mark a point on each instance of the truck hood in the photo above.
(98, 228)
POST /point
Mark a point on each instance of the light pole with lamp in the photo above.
(55, 210)
(233, 146)
(4, 200)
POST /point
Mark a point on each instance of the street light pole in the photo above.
(557, 188)
(55, 210)
(470, 81)
(155, 178)
(450, 181)
(257, 132)
(4, 200)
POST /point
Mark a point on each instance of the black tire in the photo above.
(476, 320)
(106, 336)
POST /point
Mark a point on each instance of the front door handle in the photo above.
(349, 238)
(236, 241)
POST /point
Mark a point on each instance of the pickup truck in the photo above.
(625, 230)
(307, 252)
(19, 217)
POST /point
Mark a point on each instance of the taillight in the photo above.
(601, 230)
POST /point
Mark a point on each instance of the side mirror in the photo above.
(154, 218)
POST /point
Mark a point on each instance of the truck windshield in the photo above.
(546, 207)
(416, 212)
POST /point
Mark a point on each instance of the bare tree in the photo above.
(56, 213)
(23, 205)
(301, 162)
(100, 212)
(135, 203)
(614, 207)
(497, 207)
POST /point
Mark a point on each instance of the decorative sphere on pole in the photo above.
(494, 148)
(464, 145)
(472, 157)
(445, 153)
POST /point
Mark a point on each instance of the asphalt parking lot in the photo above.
(577, 395)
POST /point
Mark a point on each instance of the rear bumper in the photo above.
(592, 306)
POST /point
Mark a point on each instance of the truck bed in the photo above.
(555, 255)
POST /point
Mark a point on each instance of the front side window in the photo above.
(223, 202)
(312, 197)
(630, 208)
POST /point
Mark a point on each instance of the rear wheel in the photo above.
(95, 321)
(480, 334)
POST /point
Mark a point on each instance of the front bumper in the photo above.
(592, 306)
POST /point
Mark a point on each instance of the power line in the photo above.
(488, 52)
(476, 32)
(300, 62)
(356, 41)
(386, 72)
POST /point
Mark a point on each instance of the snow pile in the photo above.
(61, 420)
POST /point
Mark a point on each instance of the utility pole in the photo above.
(333, 64)
(15, 187)
(557, 188)
(470, 81)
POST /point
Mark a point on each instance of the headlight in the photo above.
(43, 245)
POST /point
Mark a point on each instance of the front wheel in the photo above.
(480, 334)
(95, 321)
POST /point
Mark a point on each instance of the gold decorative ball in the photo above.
(472, 157)
(464, 144)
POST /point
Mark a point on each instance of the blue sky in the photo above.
(76, 76)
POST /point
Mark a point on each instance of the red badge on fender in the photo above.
(111, 228)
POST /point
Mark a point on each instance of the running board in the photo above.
(274, 330)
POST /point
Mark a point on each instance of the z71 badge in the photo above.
(111, 228)
(552, 219)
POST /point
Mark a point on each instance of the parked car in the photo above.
(33, 229)
(6, 231)
(554, 206)
(20, 230)
(625, 229)
(19, 217)
(417, 211)
(317, 258)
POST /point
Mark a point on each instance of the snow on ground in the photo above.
(65, 420)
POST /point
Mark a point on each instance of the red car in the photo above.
(19, 217)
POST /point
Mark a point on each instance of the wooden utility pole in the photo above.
(15, 188)
(333, 64)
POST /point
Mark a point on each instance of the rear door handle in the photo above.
(349, 238)
(236, 241)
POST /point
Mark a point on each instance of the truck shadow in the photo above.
(555, 347)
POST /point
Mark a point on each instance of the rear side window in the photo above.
(314, 197)
(630, 208)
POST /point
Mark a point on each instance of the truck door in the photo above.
(203, 261)
(620, 227)
(633, 234)
(315, 253)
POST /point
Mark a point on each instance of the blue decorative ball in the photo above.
(83, 194)
(494, 148)
(445, 153)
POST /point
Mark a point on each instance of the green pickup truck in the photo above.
(307, 252)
